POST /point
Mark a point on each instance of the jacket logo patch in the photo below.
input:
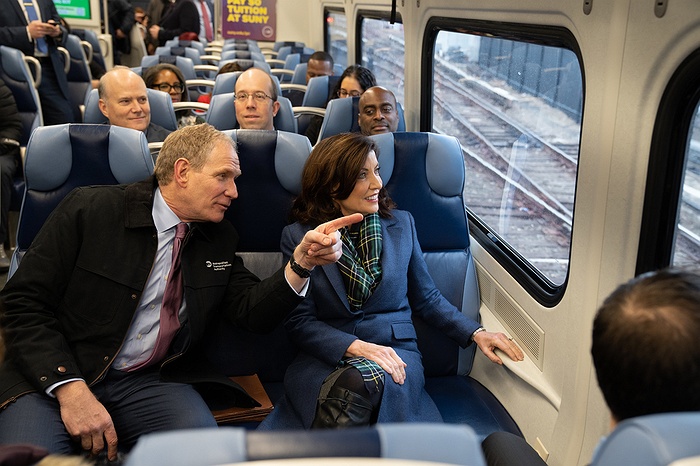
(218, 266)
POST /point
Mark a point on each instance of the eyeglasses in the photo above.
(344, 93)
(165, 87)
(258, 96)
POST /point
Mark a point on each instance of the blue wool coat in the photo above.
(324, 325)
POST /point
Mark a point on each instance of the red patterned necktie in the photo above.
(207, 22)
(172, 300)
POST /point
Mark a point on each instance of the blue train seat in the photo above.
(242, 55)
(185, 64)
(89, 36)
(272, 163)
(653, 440)
(226, 83)
(222, 115)
(16, 74)
(435, 443)
(18, 77)
(62, 157)
(299, 76)
(246, 63)
(162, 111)
(424, 174)
(79, 75)
(318, 92)
(185, 43)
(341, 117)
(282, 52)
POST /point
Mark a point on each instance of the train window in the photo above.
(686, 246)
(382, 50)
(516, 106)
(670, 230)
(336, 36)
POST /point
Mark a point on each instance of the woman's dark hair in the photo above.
(330, 173)
(151, 74)
(363, 76)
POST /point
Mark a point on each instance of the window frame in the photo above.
(326, 33)
(529, 277)
(667, 163)
(370, 14)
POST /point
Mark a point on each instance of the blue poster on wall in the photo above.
(249, 19)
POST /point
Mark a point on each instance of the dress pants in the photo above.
(138, 402)
(55, 107)
(8, 168)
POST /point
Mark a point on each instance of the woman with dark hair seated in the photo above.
(359, 361)
(168, 78)
(354, 81)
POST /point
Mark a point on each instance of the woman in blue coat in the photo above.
(359, 361)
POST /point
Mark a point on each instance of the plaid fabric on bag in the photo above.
(359, 264)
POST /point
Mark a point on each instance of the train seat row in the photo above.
(423, 172)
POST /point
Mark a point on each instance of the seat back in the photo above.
(341, 117)
(299, 76)
(198, 46)
(242, 55)
(283, 52)
(653, 440)
(226, 83)
(438, 443)
(89, 35)
(60, 158)
(293, 59)
(185, 64)
(79, 75)
(187, 52)
(286, 43)
(222, 114)
(246, 63)
(18, 77)
(162, 111)
(424, 174)
(319, 91)
(271, 164)
(240, 44)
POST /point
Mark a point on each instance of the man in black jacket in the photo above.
(81, 317)
(121, 20)
(178, 16)
(10, 135)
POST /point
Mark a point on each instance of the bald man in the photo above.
(378, 111)
(124, 101)
(256, 100)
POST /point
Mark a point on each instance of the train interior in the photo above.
(573, 126)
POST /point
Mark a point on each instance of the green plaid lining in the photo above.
(359, 264)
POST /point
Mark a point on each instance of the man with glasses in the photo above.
(256, 100)
(124, 101)
(378, 111)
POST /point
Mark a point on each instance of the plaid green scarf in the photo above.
(359, 263)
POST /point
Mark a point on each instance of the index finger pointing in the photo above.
(334, 225)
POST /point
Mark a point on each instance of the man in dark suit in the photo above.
(82, 318)
(33, 26)
(178, 16)
(10, 135)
